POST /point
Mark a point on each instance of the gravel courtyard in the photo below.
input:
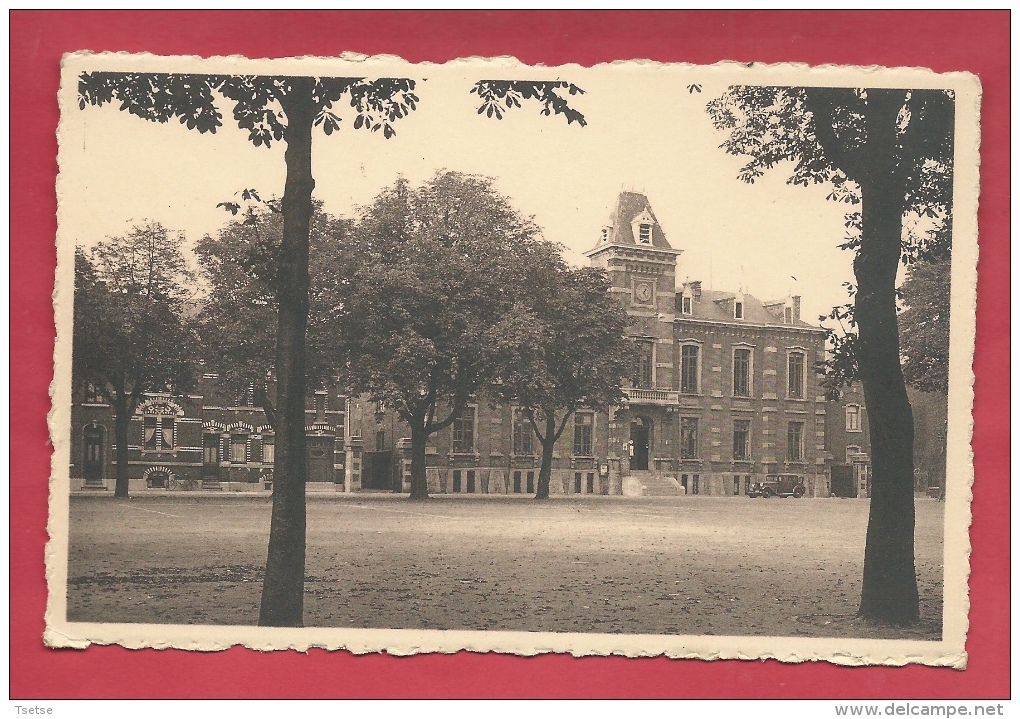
(685, 565)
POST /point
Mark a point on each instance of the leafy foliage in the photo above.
(437, 269)
(499, 96)
(417, 327)
(131, 332)
(561, 348)
(924, 326)
(256, 100)
(774, 125)
(564, 346)
(236, 322)
(822, 131)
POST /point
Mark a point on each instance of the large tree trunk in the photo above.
(890, 582)
(548, 443)
(283, 587)
(121, 422)
(419, 479)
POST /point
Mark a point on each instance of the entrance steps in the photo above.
(654, 484)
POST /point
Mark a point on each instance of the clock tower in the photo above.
(641, 265)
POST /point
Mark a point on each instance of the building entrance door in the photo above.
(378, 471)
(640, 433)
(92, 467)
(210, 456)
(319, 453)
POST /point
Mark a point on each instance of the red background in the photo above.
(976, 41)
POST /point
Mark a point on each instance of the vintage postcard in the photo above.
(636, 359)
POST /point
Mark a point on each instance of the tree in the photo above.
(563, 350)
(130, 333)
(286, 108)
(418, 325)
(271, 109)
(890, 151)
(240, 268)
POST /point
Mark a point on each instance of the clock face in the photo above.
(643, 292)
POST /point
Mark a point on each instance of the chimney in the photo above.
(695, 289)
(795, 301)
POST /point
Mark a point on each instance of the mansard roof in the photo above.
(717, 306)
(629, 207)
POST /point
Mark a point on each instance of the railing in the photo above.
(637, 395)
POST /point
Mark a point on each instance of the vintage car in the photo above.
(778, 485)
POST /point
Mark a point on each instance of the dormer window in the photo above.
(738, 310)
(686, 304)
(645, 233)
(788, 315)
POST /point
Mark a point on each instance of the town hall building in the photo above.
(725, 392)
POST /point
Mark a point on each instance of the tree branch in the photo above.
(821, 102)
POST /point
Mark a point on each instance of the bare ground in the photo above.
(689, 565)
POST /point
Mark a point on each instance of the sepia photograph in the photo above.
(640, 359)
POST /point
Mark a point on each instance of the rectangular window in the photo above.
(268, 450)
(380, 441)
(93, 395)
(788, 315)
(211, 449)
(696, 483)
(736, 484)
(853, 418)
(583, 424)
(645, 234)
(158, 433)
(255, 450)
(591, 483)
(741, 372)
(686, 305)
(320, 404)
(471, 481)
(238, 444)
(738, 310)
(645, 374)
(688, 437)
(464, 431)
(531, 482)
(577, 482)
(795, 375)
(689, 370)
(795, 442)
(741, 438)
(517, 483)
(456, 481)
(524, 435)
